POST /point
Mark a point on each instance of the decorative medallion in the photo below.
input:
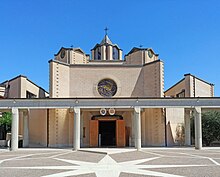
(103, 111)
(111, 111)
(107, 88)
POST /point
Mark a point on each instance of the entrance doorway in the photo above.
(107, 133)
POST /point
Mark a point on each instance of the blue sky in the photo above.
(185, 34)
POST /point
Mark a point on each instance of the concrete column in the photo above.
(81, 129)
(120, 54)
(143, 128)
(137, 113)
(187, 128)
(93, 54)
(76, 137)
(103, 52)
(110, 52)
(14, 129)
(132, 143)
(198, 128)
(25, 129)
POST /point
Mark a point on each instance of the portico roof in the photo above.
(36, 103)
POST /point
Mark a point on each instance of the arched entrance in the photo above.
(107, 131)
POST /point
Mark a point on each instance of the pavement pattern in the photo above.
(166, 162)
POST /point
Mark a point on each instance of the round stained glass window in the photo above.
(107, 88)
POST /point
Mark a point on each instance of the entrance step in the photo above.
(108, 150)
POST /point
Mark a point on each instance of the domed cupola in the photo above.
(106, 50)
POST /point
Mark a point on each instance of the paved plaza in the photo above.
(167, 162)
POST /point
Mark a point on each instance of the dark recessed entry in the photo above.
(107, 131)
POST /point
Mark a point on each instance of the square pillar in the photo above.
(14, 129)
(137, 117)
(198, 128)
(76, 137)
(25, 129)
(187, 128)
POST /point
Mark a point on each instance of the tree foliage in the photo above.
(6, 120)
(210, 127)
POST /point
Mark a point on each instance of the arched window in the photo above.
(98, 53)
(115, 54)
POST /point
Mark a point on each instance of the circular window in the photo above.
(150, 53)
(107, 88)
(62, 55)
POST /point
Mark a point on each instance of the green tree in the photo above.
(210, 127)
(6, 120)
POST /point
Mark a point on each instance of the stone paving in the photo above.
(167, 162)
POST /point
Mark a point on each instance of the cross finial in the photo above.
(140, 46)
(106, 30)
(71, 46)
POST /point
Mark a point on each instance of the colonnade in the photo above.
(76, 137)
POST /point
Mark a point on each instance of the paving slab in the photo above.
(168, 162)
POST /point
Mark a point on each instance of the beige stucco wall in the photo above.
(193, 87)
(29, 86)
(135, 58)
(82, 80)
(38, 127)
(2, 91)
(59, 80)
(153, 127)
(203, 89)
(140, 57)
(85, 84)
(60, 128)
(174, 125)
(15, 88)
(20, 85)
(153, 79)
(37, 118)
(176, 89)
(66, 58)
(72, 56)
(78, 58)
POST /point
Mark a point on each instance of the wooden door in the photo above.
(93, 134)
(120, 133)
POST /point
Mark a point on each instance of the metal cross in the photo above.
(106, 30)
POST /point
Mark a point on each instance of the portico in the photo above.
(194, 104)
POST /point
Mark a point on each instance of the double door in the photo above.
(107, 133)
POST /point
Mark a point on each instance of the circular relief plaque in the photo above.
(107, 88)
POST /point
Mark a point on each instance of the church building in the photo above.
(105, 74)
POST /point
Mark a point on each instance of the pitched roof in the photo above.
(106, 40)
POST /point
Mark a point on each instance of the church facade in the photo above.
(106, 74)
(73, 74)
